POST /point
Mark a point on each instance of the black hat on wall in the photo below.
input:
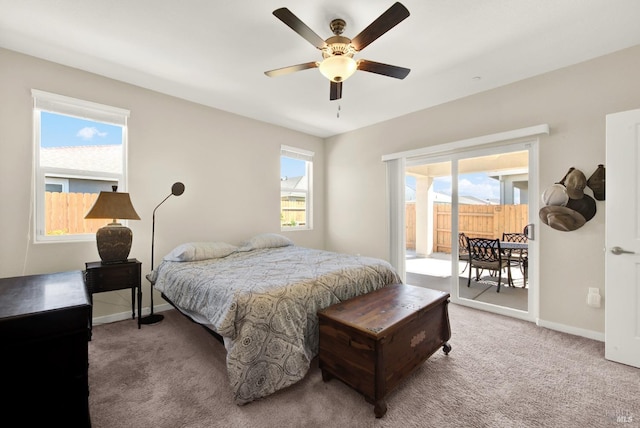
(585, 206)
(597, 182)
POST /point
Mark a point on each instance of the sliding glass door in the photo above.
(493, 194)
(476, 193)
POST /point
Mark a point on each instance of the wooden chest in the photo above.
(372, 342)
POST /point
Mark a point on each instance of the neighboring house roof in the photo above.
(472, 200)
(466, 200)
(104, 158)
(296, 183)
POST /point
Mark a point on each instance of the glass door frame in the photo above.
(525, 139)
(532, 298)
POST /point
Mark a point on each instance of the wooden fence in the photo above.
(480, 221)
(293, 212)
(64, 213)
(410, 225)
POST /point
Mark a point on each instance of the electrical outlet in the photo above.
(594, 298)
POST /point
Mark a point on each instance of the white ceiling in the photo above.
(215, 52)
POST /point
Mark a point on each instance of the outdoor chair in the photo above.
(518, 258)
(486, 254)
(463, 250)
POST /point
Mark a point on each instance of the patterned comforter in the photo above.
(264, 303)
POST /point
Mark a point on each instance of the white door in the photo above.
(622, 240)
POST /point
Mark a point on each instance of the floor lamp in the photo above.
(176, 190)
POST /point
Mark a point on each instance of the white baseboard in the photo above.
(589, 334)
(127, 314)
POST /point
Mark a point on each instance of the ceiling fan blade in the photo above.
(385, 22)
(292, 68)
(335, 91)
(293, 22)
(384, 69)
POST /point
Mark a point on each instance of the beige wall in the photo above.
(230, 166)
(225, 157)
(573, 101)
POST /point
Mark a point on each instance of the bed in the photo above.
(262, 298)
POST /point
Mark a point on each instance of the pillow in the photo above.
(194, 251)
(266, 240)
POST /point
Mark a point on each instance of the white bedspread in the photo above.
(264, 303)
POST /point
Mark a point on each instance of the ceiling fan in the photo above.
(338, 64)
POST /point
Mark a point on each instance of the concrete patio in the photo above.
(434, 272)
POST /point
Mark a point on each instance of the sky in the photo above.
(477, 184)
(291, 167)
(65, 131)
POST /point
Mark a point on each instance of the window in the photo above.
(79, 150)
(60, 185)
(296, 166)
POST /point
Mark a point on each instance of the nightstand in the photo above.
(115, 276)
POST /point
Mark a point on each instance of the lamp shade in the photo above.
(113, 240)
(114, 205)
(338, 68)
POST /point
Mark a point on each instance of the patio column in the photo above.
(424, 217)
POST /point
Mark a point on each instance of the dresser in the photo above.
(44, 340)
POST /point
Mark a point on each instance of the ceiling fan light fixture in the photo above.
(338, 68)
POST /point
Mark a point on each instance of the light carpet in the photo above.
(502, 372)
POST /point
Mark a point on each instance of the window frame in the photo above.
(68, 106)
(307, 156)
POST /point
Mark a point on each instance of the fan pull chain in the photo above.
(338, 113)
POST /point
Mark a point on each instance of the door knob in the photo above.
(617, 251)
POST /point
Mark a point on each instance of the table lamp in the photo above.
(113, 240)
